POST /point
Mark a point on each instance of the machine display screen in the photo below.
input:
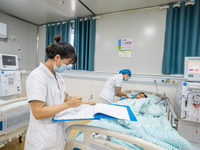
(9, 60)
(194, 66)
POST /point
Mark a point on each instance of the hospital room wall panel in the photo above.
(88, 85)
(96, 87)
(42, 44)
(24, 37)
(189, 130)
(23, 85)
(145, 27)
(95, 94)
(79, 87)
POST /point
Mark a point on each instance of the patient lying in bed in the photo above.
(152, 125)
(136, 96)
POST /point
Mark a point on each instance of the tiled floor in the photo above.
(14, 145)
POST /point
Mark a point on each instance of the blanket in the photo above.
(152, 125)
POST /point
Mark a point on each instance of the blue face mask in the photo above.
(126, 79)
(62, 68)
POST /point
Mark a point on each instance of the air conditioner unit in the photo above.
(3, 30)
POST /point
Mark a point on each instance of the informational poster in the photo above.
(125, 45)
(124, 53)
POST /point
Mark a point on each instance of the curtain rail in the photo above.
(132, 10)
(177, 5)
(97, 17)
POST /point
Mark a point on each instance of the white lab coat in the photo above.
(44, 134)
(109, 90)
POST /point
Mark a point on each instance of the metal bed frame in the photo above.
(19, 133)
(90, 141)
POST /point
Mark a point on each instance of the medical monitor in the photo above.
(192, 68)
(8, 62)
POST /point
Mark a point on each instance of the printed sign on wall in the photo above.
(125, 46)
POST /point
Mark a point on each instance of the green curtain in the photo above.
(84, 42)
(182, 36)
(63, 28)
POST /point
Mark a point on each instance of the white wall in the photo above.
(25, 38)
(42, 43)
(89, 84)
(147, 28)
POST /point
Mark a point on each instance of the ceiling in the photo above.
(40, 12)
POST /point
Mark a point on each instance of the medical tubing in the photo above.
(190, 93)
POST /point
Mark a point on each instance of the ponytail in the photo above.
(64, 49)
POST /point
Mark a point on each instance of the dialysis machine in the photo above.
(187, 103)
(14, 112)
(10, 80)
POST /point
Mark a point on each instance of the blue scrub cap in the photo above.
(125, 71)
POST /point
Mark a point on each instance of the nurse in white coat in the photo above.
(46, 93)
(113, 87)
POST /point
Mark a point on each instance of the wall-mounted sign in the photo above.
(125, 46)
(124, 53)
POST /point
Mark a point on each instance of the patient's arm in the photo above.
(129, 98)
(120, 93)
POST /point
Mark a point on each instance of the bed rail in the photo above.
(106, 145)
(12, 132)
(171, 116)
(13, 101)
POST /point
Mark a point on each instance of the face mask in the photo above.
(62, 68)
(126, 79)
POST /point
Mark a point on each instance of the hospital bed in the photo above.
(98, 138)
(14, 119)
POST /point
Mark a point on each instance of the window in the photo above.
(72, 43)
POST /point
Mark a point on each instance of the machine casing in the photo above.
(8, 62)
(188, 100)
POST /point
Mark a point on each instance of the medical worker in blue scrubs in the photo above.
(47, 95)
(113, 87)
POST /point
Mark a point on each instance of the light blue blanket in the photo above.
(152, 126)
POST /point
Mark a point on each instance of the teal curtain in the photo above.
(182, 37)
(84, 42)
(62, 28)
